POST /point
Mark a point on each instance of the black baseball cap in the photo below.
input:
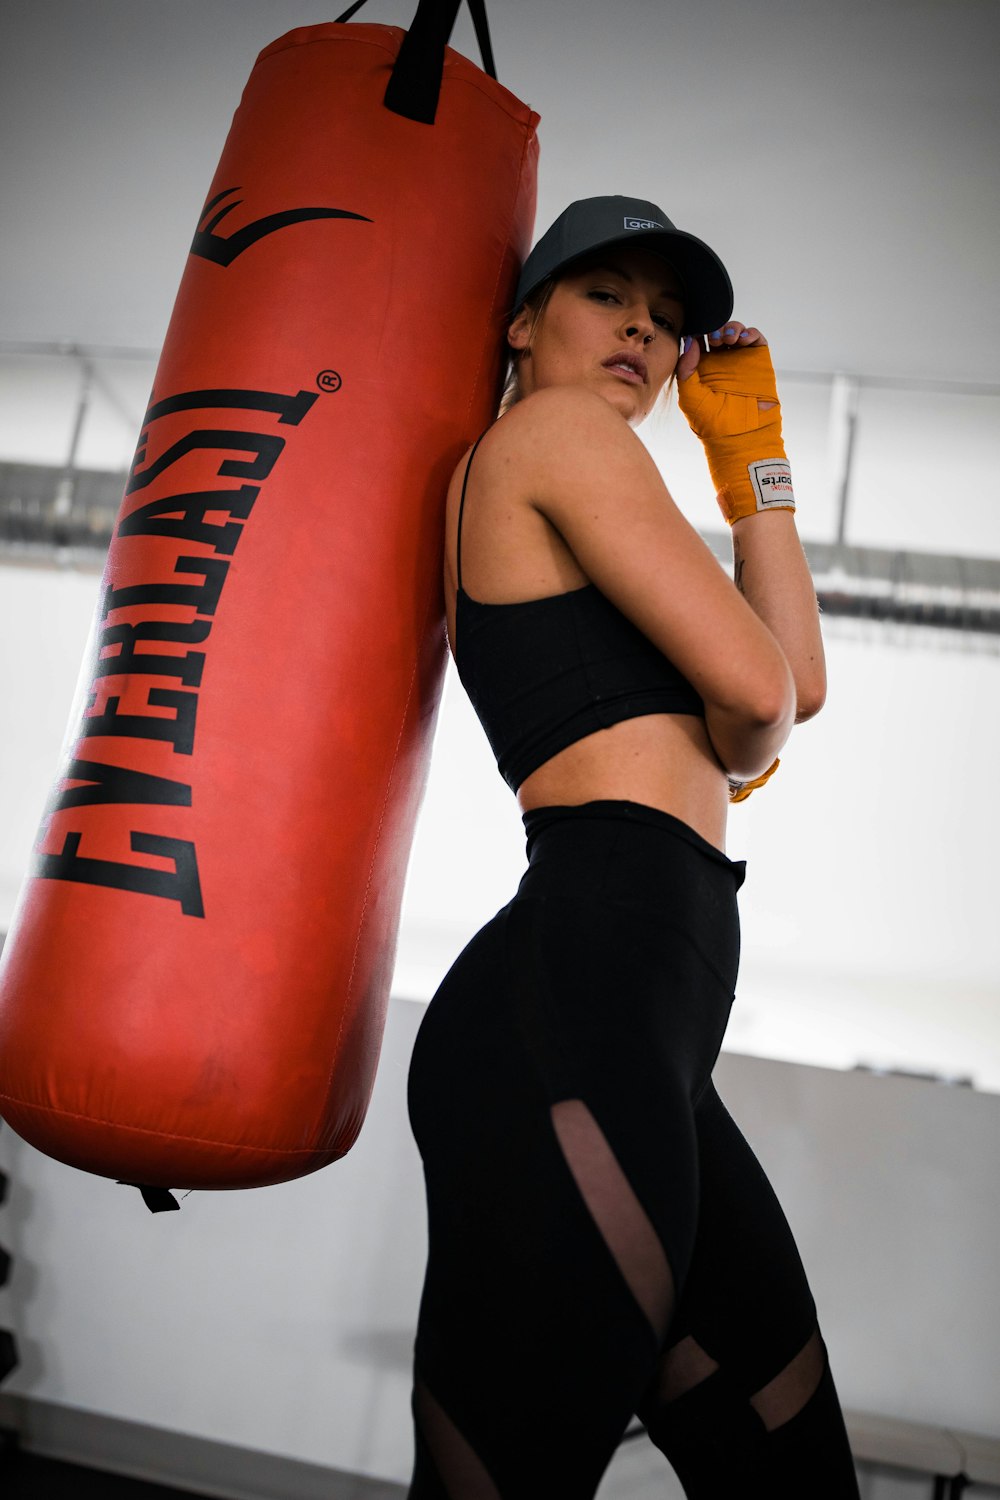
(593, 223)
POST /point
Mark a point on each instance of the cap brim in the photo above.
(708, 292)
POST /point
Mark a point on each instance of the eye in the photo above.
(603, 295)
(665, 322)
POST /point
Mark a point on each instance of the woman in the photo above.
(602, 1240)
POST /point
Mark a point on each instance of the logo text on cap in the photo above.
(642, 224)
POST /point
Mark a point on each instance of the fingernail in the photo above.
(745, 334)
(716, 335)
(687, 343)
(729, 330)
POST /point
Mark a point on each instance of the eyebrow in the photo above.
(608, 265)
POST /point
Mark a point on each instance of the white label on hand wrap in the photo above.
(771, 479)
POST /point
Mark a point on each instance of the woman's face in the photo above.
(620, 301)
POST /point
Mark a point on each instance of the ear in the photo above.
(519, 332)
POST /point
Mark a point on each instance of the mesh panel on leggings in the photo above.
(617, 1212)
(782, 1441)
(459, 1468)
(686, 1365)
(784, 1397)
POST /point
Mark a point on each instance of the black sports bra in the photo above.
(542, 673)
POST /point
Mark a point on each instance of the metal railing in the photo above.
(62, 514)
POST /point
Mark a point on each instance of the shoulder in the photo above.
(560, 440)
(564, 410)
(556, 432)
(560, 403)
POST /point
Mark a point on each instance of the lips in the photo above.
(627, 360)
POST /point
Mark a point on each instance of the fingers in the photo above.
(688, 362)
(736, 335)
(731, 335)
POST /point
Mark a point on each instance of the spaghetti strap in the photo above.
(461, 506)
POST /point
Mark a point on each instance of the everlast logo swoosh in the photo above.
(216, 247)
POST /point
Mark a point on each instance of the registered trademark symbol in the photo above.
(329, 380)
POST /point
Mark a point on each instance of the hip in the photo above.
(610, 972)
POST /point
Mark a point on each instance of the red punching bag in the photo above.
(194, 987)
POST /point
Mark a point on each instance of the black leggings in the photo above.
(603, 1241)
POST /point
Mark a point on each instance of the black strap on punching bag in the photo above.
(415, 85)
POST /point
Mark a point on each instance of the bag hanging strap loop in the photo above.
(415, 85)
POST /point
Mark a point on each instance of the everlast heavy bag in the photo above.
(195, 982)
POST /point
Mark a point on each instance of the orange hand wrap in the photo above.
(739, 791)
(746, 456)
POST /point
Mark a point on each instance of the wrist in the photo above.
(739, 791)
(744, 524)
(751, 474)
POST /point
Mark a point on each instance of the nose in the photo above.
(639, 322)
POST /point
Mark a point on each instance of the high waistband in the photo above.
(539, 819)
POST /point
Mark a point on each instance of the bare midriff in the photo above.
(662, 760)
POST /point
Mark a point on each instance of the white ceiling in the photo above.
(842, 158)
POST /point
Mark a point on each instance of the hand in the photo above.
(727, 391)
(723, 378)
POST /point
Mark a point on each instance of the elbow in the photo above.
(776, 701)
(749, 723)
(749, 731)
(810, 696)
(764, 703)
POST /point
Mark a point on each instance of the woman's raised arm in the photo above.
(730, 399)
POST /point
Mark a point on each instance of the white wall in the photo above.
(282, 1319)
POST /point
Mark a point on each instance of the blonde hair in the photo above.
(536, 302)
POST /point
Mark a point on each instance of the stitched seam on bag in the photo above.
(166, 1135)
